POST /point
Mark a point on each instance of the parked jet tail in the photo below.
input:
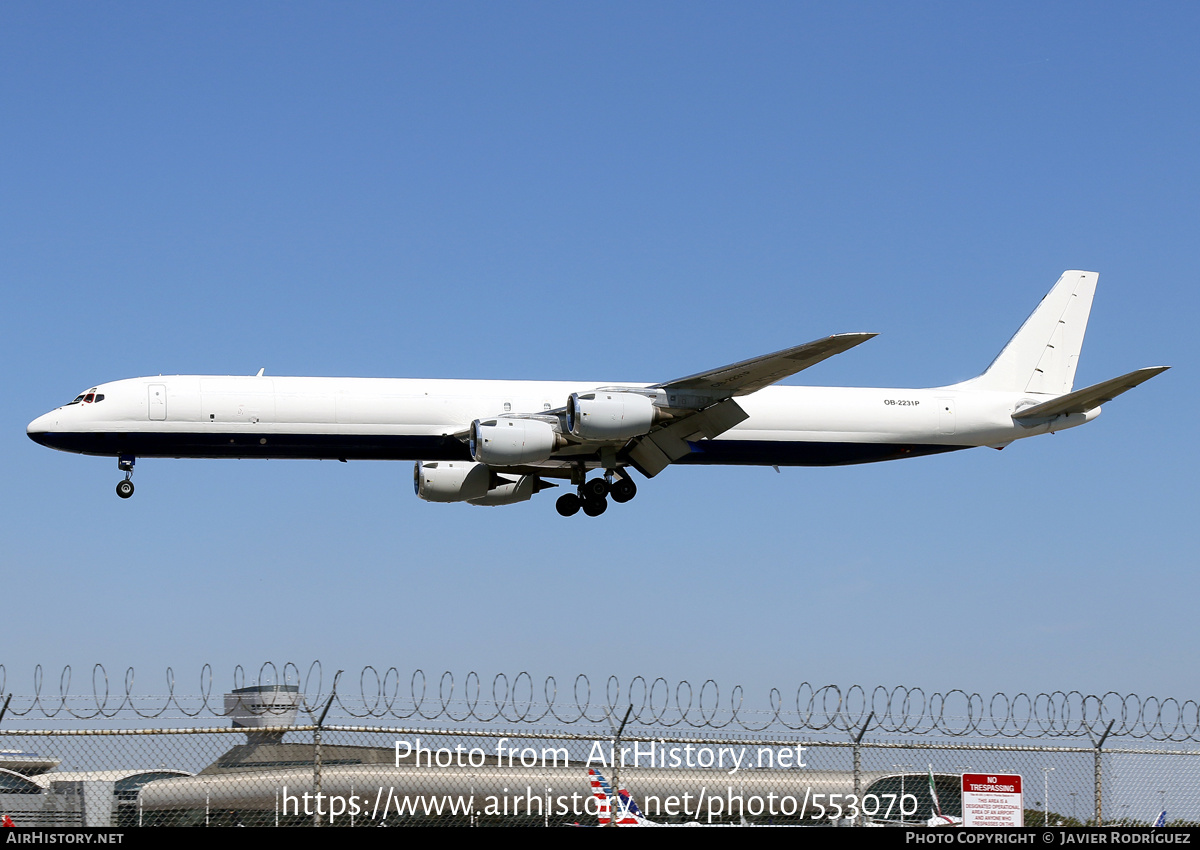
(628, 813)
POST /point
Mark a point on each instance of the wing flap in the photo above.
(1088, 398)
(657, 450)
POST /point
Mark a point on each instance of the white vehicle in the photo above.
(497, 442)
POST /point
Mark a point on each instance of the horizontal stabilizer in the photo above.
(1088, 398)
(752, 375)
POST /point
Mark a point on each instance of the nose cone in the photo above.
(39, 430)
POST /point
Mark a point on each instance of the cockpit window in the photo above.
(87, 397)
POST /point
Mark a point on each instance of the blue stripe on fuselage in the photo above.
(258, 445)
(407, 447)
(799, 453)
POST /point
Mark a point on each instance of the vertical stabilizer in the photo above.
(1042, 356)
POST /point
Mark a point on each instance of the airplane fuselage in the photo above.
(408, 419)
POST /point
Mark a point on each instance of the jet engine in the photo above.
(510, 490)
(474, 483)
(604, 416)
(512, 442)
(451, 481)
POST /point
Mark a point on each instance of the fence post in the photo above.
(317, 752)
(614, 807)
(858, 819)
(1098, 774)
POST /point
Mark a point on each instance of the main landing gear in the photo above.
(125, 488)
(593, 495)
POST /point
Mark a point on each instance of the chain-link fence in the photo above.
(838, 759)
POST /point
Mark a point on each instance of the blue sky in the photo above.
(624, 192)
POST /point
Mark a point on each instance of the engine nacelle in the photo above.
(512, 442)
(519, 489)
(604, 416)
(451, 481)
(459, 481)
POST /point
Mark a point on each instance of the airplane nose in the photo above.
(40, 427)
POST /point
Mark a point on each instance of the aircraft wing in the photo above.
(703, 403)
(752, 375)
(1088, 398)
(711, 394)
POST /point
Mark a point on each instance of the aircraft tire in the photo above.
(125, 489)
(623, 489)
(568, 504)
(594, 489)
(595, 507)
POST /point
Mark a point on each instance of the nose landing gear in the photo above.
(125, 488)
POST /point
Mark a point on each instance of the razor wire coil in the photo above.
(657, 704)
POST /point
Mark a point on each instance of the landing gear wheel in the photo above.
(568, 504)
(125, 464)
(623, 489)
(596, 488)
(595, 507)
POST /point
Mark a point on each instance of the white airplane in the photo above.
(497, 442)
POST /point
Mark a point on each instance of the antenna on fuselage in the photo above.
(260, 372)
